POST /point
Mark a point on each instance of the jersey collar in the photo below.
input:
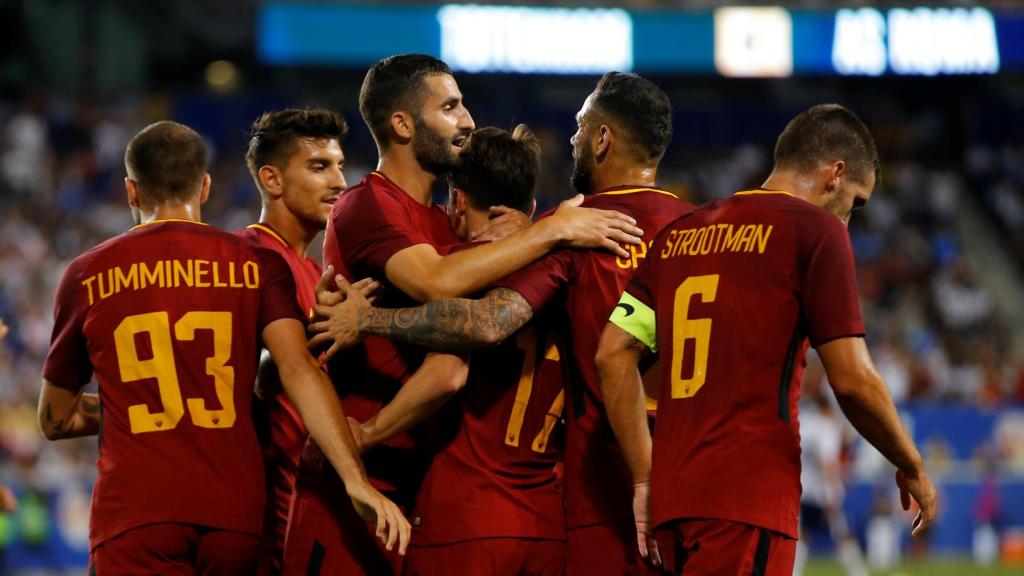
(266, 229)
(759, 191)
(620, 190)
(163, 220)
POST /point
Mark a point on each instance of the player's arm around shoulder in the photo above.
(344, 317)
(424, 275)
(320, 409)
(866, 402)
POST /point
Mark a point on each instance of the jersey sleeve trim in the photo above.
(637, 319)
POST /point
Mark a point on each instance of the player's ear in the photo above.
(402, 125)
(603, 142)
(533, 209)
(835, 173)
(204, 195)
(271, 180)
(132, 189)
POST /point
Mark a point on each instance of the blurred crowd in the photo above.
(935, 334)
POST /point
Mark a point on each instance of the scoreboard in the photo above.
(729, 41)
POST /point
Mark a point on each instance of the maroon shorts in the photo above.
(172, 549)
(602, 549)
(488, 557)
(325, 534)
(723, 548)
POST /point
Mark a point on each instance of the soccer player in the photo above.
(386, 227)
(730, 296)
(168, 317)
(625, 125)
(490, 502)
(296, 161)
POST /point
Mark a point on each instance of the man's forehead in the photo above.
(588, 105)
(313, 146)
(442, 86)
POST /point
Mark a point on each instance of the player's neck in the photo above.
(626, 175)
(792, 182)
(291, 230)
(171, 211)
(403, 169)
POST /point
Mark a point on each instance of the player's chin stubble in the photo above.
(432, 151)
(582, 177)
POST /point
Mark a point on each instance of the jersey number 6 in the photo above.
(685, 328)
(162, 368)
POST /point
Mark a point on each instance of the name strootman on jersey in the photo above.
(715, 239)
(173, 273)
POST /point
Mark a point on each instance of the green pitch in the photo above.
(939, 566)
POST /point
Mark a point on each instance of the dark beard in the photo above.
(432, 151)
(582, 178)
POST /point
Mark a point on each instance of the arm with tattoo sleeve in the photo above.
(452, 324)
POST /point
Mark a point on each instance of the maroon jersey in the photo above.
(598, 484)
(285, 433)
(370, 222)
(168, 316)
(495, 477)
(737, 288)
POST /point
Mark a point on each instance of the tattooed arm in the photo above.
(65, 414)
(452, 324)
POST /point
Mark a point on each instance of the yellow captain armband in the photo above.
(637, 319)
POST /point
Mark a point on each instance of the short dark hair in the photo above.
(640, 108)
(167, 160)
(499, 167)
(826, 133)
(394, 83)
(273, 135)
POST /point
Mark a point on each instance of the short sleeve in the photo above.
(829, 300)
(277, 290)
(67, 363)
(539, 282)
(635, 311)
(373, 228)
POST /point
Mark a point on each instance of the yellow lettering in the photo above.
(251, 274)
(110, 284)
(666, 252)
(201, 270)
(231, 276)
(131, 280)
(699, 235)
(152, 277)
(732, 240)
(183, 271)
(747, 241)
(721, 233)
(708, 242)
(762, 239)
(216, 275)
(88, 284)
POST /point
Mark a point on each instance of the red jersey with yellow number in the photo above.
(284, 433)
(168, 317)
(737, 288)
(371, 222)
(494, 475)
(598, 486)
